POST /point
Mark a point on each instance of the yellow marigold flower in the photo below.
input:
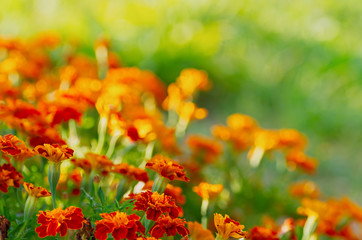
(191, 80)
(54, 152)
(207, 190)
(197, 232)
(227, 227)
(36, 191)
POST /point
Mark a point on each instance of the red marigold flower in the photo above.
(155, 204)
(227, 227)
(131, 171)
(54, 152)
(59, 221)
(170, 226)
(167, 168)
(170, 190)
(9, 144)
(36, 191)
(120, 225)
(9, 177)
(262, 233)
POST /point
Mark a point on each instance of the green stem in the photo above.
(204, 207)
(53, 178)
(102, 129)
(112, 144)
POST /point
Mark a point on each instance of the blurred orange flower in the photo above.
(120, 225)
(59, 221)
(298, 159)
(262, 233)
(131, 171)
(197, 232)
(207, 190)
(304, 189)
(208, 150)
(9, 177)
(167, 168)
(93, 161)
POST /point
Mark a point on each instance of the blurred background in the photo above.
(288, 64)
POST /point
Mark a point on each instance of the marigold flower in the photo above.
(155, 204)
(9, 144)
(93, 161)
(36, 191)
(291, 138)
(119, 224)
(197, 232)
(207, 190)
(296, 158)
(227, 227)
(9, 177)
(131, 171)
(191, 80)
(173, 191)
(54, 152)
(59, 221)
(304, 189)
(207, 149)
(167, 168)
(170, 226)
(262, 233)
(147, 238)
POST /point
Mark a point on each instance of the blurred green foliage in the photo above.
(292, 64)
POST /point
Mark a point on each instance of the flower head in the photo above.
(207, 149)
(131, 171)
(227, 227)
(54, 152)
(120, 225)
(207, 190)
(298, 159)
(36, 191)
(93, 161)
(170, 226)
(59, 221)
(9, 177)
(86, 232)
(4, 227)
(198, 232)
(304, 189)
(262, 233)
(167, 168)
(155, 204)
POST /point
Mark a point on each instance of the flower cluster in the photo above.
(134, 172)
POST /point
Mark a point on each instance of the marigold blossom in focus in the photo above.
(227, 227)
(155, 204)
(59, 221)
(54, 152)
(120, 225)
(36, 191)
(169, 226)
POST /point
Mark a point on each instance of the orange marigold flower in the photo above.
(59, 221)
(147, 238)
(131, 171)
(262, 233)
(304, 189)
(197, 232)
(296, 158)
(167, 168)
(9, 177)
(9, 144)
(207, 149)
(93, 161)
(291, 138)
(54, 152)
(36, 191)
(170, 226)
(207, 190)
(191, 80)
(120, 225)
(227, 227)
(170, 190)
(155, 204)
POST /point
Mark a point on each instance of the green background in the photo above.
(288, 64)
